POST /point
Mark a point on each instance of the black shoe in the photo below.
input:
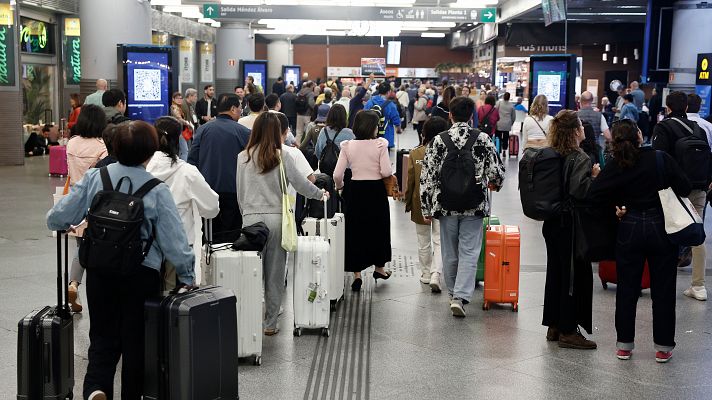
(356, 285)
(378, 275)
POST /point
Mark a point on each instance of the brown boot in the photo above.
(576, 340)
(552, 334)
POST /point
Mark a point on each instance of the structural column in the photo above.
(11, 138)
(279, 53)
(691, 23)
(234, 43)
(104, 24)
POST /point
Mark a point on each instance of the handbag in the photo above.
(682, 222)
(289, 225)
(391, 184)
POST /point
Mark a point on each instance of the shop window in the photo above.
(37, 88)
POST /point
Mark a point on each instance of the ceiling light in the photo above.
(625, 60)
(413, 29)
(474, 3)
(636, 54)
(432, 35)
(615, 59)
(605, 57)
(608, 47)
(165, 2)
(610, 14)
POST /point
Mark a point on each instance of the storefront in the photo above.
(513, 75)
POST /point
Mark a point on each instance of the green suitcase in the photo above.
(480, 277)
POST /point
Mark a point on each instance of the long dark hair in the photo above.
(336, 119)
(448, 94)
(625, 143)
(169, 130)
(265, 140)
(365, 124)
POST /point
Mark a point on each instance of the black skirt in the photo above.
(368, 225)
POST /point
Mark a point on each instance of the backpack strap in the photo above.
(143, 190)
(106, 179)
(684, 125)
(470, 141)
(447, 140)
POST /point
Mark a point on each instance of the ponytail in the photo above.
(169, 130)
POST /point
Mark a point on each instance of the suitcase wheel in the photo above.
(332, 306)
(486, 306)
(325, 332)
(515, 307)
(297, 332)
(257, 361)
(605, 285)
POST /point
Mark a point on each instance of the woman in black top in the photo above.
(569, 280)
(443, 108)
(631, 182)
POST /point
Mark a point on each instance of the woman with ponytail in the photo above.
(631, 182)
(191, 193)
(569, 279)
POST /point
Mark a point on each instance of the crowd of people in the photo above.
(224, 158)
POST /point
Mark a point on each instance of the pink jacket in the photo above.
(368, 160)
(82, 154)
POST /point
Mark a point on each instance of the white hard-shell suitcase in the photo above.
(312, 305)
(336, 233)
(240, 271)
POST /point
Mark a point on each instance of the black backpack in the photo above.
(302, 103)
(112, 240)
(486, 126)
(541, 183)
(329, 155)
(692, 153)
(381, 111)
(460, 187)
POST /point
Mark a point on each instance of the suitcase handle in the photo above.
(63, 305)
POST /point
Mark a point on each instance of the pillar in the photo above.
(279, 53)
(234, 43)
(11, 137)
(690, 24)
(104, 24)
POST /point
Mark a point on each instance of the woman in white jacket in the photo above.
(192, 194)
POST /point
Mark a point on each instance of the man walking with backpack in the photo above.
(687, 143)
(304, 105)
(459, 166)
(389, 120)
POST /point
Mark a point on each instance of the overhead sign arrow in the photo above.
(210, 10)
(488, 15)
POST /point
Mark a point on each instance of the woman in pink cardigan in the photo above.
(368, 220)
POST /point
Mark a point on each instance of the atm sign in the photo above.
(703, 69)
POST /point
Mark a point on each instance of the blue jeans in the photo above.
(460, 240)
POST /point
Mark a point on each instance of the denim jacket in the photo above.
(160, 215)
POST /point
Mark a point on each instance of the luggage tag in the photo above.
(313, 288)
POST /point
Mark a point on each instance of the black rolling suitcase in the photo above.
(191, 346)
(45, 344)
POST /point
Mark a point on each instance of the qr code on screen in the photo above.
(147, 85)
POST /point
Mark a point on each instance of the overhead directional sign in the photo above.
(420, 14)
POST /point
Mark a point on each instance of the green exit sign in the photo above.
(488, 15)
(211, 10)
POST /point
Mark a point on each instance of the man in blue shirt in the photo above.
(629, 111)
(390, 112)
(215, 147)
(638, 95)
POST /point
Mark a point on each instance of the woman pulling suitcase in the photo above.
(368, 219)
(259, 194)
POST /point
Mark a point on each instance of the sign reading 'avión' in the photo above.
(416, 14)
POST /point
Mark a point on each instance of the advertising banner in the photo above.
(186, 60)
(207, 61)
(376, 66)
(343, 71)
(72, 51)
(7, 55)
(705, 92)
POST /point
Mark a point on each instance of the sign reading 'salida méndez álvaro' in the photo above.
(7, 45)
(415, 14)
(72, 51)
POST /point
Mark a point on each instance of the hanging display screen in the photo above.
(36, 37)
(292, 74)
(148, 79)
(553, 77)
(257, 69)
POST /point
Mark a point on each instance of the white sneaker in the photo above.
(435, 282)
(425, 278)
(696, 292)
(97, 395)
(458, 310)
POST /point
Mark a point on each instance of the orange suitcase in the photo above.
(502, 266)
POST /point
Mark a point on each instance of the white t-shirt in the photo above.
(535, 129)
(299, 160)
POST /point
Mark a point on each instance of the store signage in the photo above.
(186, 60)
(7, 56)
(223, 12)
(72, 51)
(704, 66)
(36, 37)
(376, 66)
(6, 15)
(207, 61)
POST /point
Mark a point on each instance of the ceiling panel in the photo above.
(596, 11)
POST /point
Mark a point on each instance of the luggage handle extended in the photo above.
(324, 233)
(63, 305)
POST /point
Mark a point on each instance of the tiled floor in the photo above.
(417, 349)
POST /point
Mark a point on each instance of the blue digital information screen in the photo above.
(292, 75)
(550, 79)
(148, 85)
(258, 71)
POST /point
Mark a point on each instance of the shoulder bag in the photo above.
(289, 225)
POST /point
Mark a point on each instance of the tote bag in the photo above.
(289, 225)
(682, 222)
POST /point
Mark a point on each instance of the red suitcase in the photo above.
(513, 145)
(607, 273)
(502, 266)
(58, 160)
